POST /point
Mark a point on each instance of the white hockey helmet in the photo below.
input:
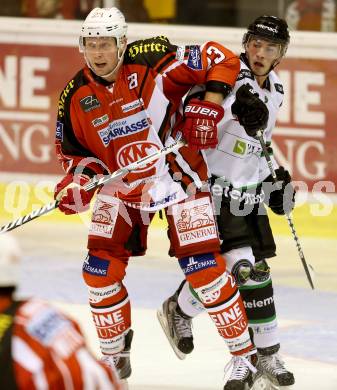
(10, 254)
(104, 22)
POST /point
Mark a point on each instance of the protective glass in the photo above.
(270, 49)
(99, 44)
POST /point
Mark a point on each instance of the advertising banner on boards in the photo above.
(32, 77)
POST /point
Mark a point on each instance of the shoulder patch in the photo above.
(279, 88)
(245, 74)
(180, 54)
(194, 58)
(59, 131)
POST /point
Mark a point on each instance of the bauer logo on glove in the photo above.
(200, 124)
(198, 109)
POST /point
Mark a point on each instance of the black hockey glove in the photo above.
(250, 110)
(281, 198)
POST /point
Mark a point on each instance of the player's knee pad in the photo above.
(258, 294)
(219, 295)
(203, 268)
(240, 262)
(103, 274)
(258, 298)
(108, 298)
(208, 277)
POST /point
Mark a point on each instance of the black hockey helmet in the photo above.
(271, 28)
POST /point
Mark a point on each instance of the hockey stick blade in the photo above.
(96, 182)
(309, 271)
(29, 217)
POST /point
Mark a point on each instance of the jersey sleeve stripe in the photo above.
(95, 375)
(143, 82)
(164, 124)
(165, 62)
(64, 371)
(188, 169)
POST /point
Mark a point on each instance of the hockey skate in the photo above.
(177, 327)
(121, 361)
(242, 370)
(272, 367)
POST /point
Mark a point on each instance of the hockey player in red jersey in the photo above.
(41, 348)
(116, 110)
(241, 182)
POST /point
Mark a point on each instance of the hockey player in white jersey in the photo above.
(241, 183)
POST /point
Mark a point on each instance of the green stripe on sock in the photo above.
(262, 321)
(255, 286)
(194, 293)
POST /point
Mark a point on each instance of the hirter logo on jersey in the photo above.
(134, 152)
(63, 97)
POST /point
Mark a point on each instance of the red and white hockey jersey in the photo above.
(40, 348)
(114, 125)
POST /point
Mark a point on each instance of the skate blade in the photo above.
(162, 320)
(275, 386)
(260, 383)
(263, 382)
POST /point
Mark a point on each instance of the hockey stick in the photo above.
(120, 173)
(307, 267)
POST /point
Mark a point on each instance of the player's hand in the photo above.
(70, 194)
(250, 110)
(282, 198)
(200, 124)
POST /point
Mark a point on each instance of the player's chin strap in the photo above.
(307, 267)
(94, 183)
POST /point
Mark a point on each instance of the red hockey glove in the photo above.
(200, 124)
(71, 195)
